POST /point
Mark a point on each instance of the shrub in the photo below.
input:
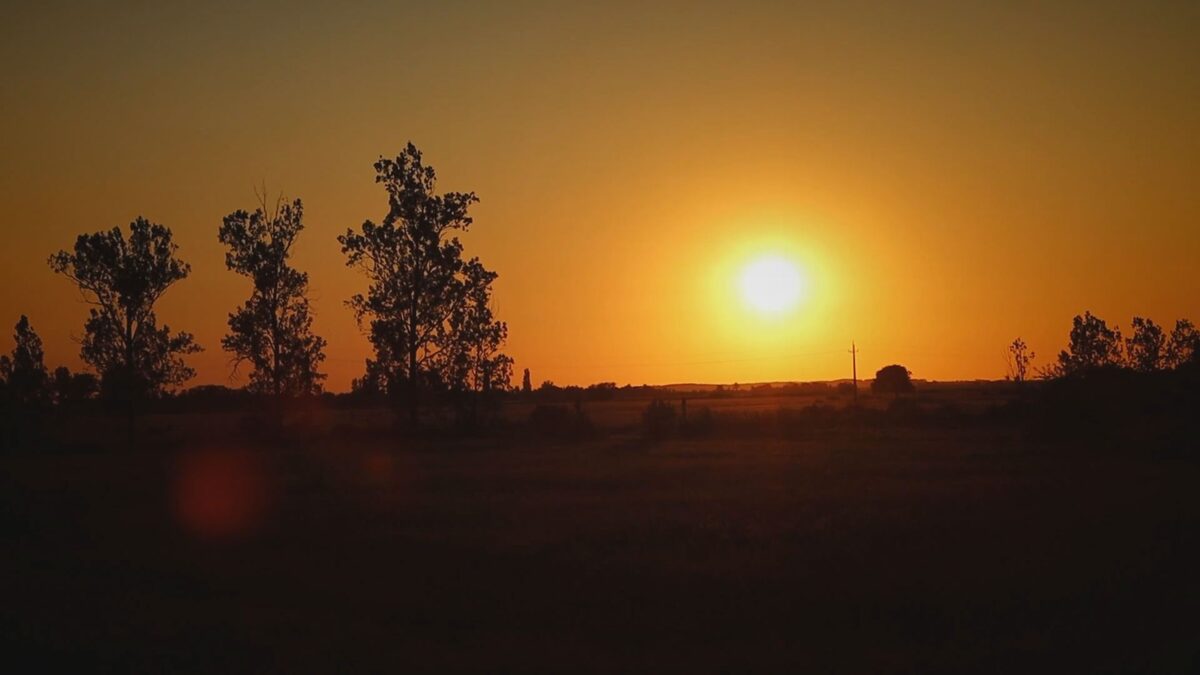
(658, 420)
(699, 423)
(559, 421)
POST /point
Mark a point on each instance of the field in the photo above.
(347, 548)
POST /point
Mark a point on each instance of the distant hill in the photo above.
(700, 386)
(862, 382)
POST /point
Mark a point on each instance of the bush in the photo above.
(699, 423)
(559, 421)
(658, 420)
(803, 422)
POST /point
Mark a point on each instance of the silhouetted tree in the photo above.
(427, 309)
(1146, 348)
(1092, 345)
(1184, 345)
(894, 379)
(71, 388)
(24, 372)
(1019, 359)
(603, 391)
(371, 383)
(123, 279)
(273, 329)
(526, 385)
(472, 360)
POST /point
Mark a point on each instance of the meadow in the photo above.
(340, 544)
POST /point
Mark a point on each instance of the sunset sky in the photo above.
(944, 176)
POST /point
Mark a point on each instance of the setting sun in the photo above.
(772, 285)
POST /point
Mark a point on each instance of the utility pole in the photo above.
(854, 369)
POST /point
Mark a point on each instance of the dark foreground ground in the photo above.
(877, 552)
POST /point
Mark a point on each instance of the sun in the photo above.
(772, 284)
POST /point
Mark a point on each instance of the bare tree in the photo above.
(1020, 357)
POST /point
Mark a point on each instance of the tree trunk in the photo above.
(130, 385)
(130, 420)
(276, 384)
(412, 387)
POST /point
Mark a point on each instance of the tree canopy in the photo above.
(427, 310)
(272, 330)
(122, 278)
(1146, 349)
(1092, 345)
(24, 371)
(893, 379)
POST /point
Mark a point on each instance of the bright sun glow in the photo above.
(772, 285)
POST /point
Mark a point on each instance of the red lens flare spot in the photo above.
(220, 493)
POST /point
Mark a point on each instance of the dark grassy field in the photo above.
(871, 551)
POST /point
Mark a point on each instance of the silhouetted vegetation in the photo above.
(1020, 359)
(658, 420)
(123, 279)
(1104, 397)
(272, 331)
(893, 379)
(73, 389)
(560, 422)
(1184, 346)
(427, 310)
(1092, 345)
(24, 371)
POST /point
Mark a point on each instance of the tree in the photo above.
(24, 371)
(1092, 345)
(1146, 349)
(273, 329)
(1019, 359)
(123, 279)
(1184, 345)
(70, 388)
(473, 360)
(427, 310)
(526, 384)
(894, 379)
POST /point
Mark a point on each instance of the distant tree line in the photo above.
(1093, 345)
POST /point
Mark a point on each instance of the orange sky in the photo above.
(950, 177)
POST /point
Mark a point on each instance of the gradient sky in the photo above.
(949, 175)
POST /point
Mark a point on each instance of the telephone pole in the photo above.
(854, 369)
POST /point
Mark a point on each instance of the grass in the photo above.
(896, 550)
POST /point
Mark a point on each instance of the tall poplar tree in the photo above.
(427, 310)
(272, 330)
